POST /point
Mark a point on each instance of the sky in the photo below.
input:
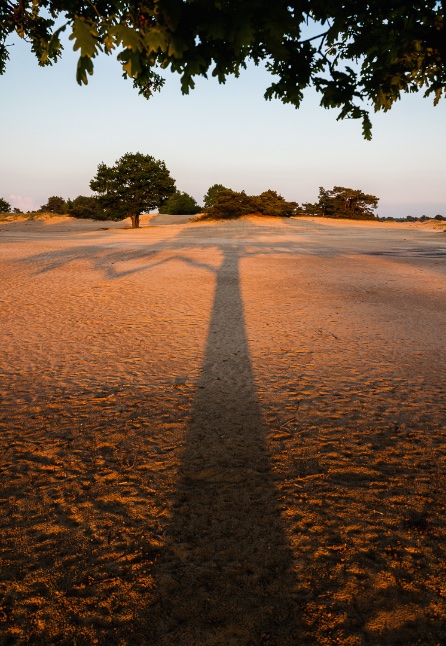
(54, 133)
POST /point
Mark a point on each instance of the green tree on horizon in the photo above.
(212, 193)
(55, 204)
(86, 206)
(228, 204)
(180, 203)
(271, 203)
(5, 206)
(341, 202)
(136, 184)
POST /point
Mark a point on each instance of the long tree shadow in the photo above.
(224, 575)
(226, 572)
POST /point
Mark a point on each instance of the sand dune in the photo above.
(222, 433)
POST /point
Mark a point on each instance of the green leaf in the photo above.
(84, 67)
(176, 48)
(128, 36)
(109, 41)
(131, 62)
(54, 46)
(156, 39)
(85, 36)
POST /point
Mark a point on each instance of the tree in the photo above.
(88, 207)
(343, 202)
(352, 52)
(271, 203)
(5, 206)
(180, 203)
(226, 203)
(211, 195)
(55, 204)
(135, 184)
(230, 204)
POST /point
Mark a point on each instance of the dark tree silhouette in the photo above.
(352, 52)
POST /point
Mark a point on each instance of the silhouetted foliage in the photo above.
(180, 203)
(135, 184)
(5, 206)
(55, 204)
(353, 53)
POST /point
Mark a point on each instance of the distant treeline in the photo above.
(411, 218)
(138, 183)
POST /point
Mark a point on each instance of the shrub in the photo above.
(87, 207)
(55, 204)
(230, 204)
(5, 206)
(180, 204)
(271, 203)
(211, 195)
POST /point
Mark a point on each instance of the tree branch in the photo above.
(308, 40)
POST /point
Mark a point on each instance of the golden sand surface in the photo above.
(222, 433)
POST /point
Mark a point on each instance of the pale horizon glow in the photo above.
(54, 134)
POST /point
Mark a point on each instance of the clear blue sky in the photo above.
(53, 135)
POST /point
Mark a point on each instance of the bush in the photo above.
(87, 207)
(341, 202)
(212, 194)
(230, 204)
(55, 204)
(180, 204)
(5, 206)
(271, 203)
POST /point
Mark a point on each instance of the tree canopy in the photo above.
(180, 203)
(271, 203)
(227, 203)
(358, 55)
(5, 206)
(341, 202)
(212, 193)
(86, 206)
(55, 204)
(136, 184)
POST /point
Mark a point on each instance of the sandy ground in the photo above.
(222, 433)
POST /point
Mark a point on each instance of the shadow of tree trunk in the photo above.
(225, 576)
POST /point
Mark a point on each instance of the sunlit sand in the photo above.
(223, 432)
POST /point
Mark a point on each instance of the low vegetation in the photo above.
(341, 202)
(180, 203)
(5, 206)
(138, 184)
(226, 204)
